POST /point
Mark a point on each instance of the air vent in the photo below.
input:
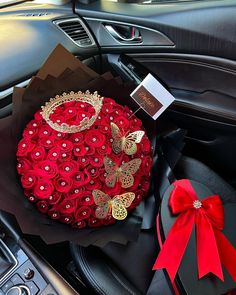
(34, 14)
(76, 31)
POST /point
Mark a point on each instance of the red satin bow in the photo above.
(213, 248)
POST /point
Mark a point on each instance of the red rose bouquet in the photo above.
(83, 159)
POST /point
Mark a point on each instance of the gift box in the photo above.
(61, 73)
(195, 230)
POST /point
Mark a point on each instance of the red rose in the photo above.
(95, 138)
(94, 184)
(85, 198)
(70, 112)
(93, 171)
(145, 146)
(108, 100)
(81, 115)
(65, 156)
(23, 166)
(82, 213)
(30, 132)
(54, 214)
(47, 142)
(24, 147)
(89, 150)
(96, 161)
(66, 219)
(79, 224)
(42, 206)
(45, 131)
(58, 135)
(38, 116)
(94, 222)
(74, 193)
(54, 154)
(65, 146)
(113, 191)
(117, 113)
(107, 108)
(79, 151)
(68, 168)
(105, 128)
(43, 189)
(135, 123)
(33, 124)
(46, 169)
(63, 184)
(77, 138)
(55, 118)
(29, 179)
(66, 207)
(30, 197)
(54, 198)
(38, 153)
(84, 161)
(104, 149)
(122, 122)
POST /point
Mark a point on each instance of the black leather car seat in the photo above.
(117, 269)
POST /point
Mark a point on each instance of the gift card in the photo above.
(152, 96)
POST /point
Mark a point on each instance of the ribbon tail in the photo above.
(227, 253)
(176, 242)
(208, 256)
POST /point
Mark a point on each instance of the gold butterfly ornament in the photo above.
(125, 143)
(124, 173)
(115, 206)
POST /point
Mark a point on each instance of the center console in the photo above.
(22, 270)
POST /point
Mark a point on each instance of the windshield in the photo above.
(8, 2)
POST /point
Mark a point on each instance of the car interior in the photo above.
(190, 47)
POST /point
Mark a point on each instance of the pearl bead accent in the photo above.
(41, 187)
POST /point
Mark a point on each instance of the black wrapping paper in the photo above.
(62, 72)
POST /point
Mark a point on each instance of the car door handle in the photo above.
(135, 36)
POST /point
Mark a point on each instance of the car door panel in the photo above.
(198, 68)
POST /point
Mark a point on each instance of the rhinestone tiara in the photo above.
(91, 98)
